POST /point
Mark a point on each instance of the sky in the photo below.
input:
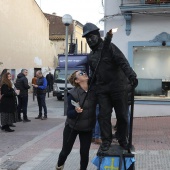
(80, 10)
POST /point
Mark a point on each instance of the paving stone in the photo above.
(36, 145)
(10, 165)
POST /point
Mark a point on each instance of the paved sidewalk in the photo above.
(43, 140)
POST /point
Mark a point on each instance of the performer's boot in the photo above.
(59, 168)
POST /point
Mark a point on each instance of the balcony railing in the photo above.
(142, 2)
(132, 7)
(157, 1)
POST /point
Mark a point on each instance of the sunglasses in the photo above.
(82, 73)
(90, 37)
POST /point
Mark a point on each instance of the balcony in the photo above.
(156, 1)
(144, 5)
(154, 7)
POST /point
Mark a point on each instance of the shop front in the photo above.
(151, 61)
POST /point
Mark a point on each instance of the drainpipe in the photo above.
(81, 47)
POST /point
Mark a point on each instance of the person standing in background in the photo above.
(49, 78)
(41, 87)
(4, 72)
(34, 81)
(8, 103)
(22, 85)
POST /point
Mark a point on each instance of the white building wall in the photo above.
(143, 27)
(24, 37)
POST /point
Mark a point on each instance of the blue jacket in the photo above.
(42, 85)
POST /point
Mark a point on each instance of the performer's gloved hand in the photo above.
(110, 32)
(133, 81)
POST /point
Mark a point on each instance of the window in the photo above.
(152, 65)
(13, 74)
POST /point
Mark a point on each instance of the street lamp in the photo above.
(67, 20)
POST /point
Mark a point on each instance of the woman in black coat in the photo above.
(8, 102)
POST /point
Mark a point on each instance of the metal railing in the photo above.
(142, 2)
(132, 2)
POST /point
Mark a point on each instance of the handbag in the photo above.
(1, 95)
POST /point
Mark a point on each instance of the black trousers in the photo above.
(50, 86)
(118, 101)
(42, 104)
(85, 142)
(22, 105)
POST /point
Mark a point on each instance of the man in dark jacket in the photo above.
(22, 85)
(111, 83)
(49, 78)
(41, 94)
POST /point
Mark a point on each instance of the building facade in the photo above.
(31, 39)
(142, 31)
(24, 38)
(77, 44)
(82, 46)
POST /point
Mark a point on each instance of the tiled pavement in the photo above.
(151, 138)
